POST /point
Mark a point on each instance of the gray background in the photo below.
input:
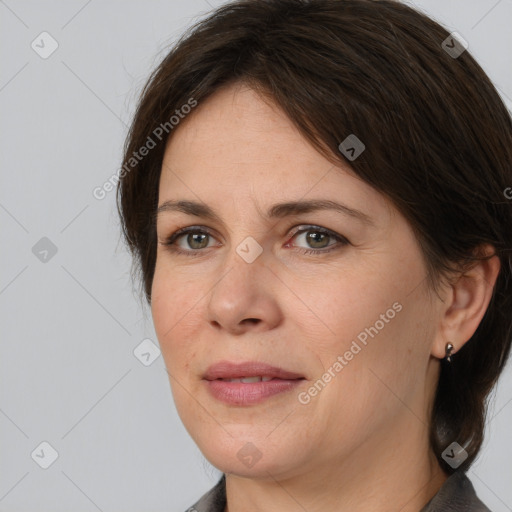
(70, 324)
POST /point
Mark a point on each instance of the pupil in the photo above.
(193, 240)
(314, 238)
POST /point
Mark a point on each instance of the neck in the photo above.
(387, 474)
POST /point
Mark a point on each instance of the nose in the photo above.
(245, 298)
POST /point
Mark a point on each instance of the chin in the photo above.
(248, 456)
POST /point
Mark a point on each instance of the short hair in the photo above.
(437, 136)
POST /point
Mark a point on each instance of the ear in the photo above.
(467, 299)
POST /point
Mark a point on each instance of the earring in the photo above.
(448, 350)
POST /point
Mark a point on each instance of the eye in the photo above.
(195, 237)
(317, 239)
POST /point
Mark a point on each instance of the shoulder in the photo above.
(212, 501)
(456, 495)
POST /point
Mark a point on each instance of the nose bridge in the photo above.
(244, 289)
(242, 270)
(246, 253)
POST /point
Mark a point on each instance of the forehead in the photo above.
(236, 127)
(236, 144)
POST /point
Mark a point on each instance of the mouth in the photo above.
(250, 380)
(228, 371)
(248, 383)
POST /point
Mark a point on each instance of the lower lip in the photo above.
(240, 393)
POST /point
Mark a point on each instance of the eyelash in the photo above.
(170, 242)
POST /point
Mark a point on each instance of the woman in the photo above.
(313, 192)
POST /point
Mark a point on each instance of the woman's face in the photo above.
(351, 315)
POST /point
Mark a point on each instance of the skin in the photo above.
(362, 442)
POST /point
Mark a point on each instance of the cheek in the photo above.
(336, 305)
(378, 324)
(372, 379)
(175, 291)
(172, 307)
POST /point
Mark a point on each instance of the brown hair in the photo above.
(438, 144)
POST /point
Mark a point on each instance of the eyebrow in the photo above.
(279, 210)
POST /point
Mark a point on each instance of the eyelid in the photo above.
(304, 228)
(312, 227)
(168, 240)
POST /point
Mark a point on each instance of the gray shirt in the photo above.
(457, 494)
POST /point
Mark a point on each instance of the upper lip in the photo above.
(229, 370)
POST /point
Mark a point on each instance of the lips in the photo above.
(249, 383)
(226, 370)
